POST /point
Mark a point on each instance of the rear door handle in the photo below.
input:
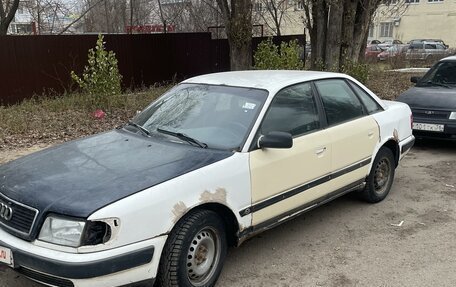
(370, 134)
(320, 150)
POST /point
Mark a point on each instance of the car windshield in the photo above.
(217, 117)
(443, 73)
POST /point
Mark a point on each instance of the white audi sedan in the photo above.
(214, 161)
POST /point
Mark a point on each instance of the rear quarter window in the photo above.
(371, 105)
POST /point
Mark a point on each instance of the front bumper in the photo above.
(449, 131)
(115, 267)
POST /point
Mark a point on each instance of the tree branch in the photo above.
(80, 17)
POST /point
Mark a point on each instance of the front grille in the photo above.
(430, 114)
(44, 278)
(23, 216)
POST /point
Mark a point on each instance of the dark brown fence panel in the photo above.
(33, 65)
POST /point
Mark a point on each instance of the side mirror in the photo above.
(415, 79)
(276, 140)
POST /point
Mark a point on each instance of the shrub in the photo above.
(269, 56)
(357, 70)
(101, 78)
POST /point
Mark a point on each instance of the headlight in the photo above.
(453, 116)
(62, 231)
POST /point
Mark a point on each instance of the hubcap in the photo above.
(203, 256)
(382, 175)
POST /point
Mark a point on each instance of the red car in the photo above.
(392, 52)
(372, 52)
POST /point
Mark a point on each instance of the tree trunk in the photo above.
(364, 12)
(7, 15)
(240, 56)
(162, 17)
(318, 34)
(348, 30)
(338, 30)
(334, 36)
(238, 25)
(107, 16)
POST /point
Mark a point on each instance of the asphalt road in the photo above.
(351, 243)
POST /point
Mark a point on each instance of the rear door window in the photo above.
(339, 101)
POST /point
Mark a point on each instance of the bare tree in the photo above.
(162, 15)
(48, 15)
(81, 16)
(339, 30)
(8, 9)
(237, 15)
(182, 15)
(110, 16)
(203, 14)
(273, 13)
(175, 13)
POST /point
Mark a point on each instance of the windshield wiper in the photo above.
(183, 137)
(438, 84)
(142, 129)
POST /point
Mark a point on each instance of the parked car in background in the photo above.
(425, 50)
(374, 42)
(433, 101)
(393, 51)
(388, 43)
(414, 41)
(216, 160)
(372, 52)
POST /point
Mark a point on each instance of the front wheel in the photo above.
(381, 177)
(194, 253)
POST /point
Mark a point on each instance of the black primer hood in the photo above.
(430, 98)
(80, 177)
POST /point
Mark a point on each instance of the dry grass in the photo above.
(389, 85)
(58, 119)
(43, 121)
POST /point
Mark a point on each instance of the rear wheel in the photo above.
(381, 176)
(194, 253)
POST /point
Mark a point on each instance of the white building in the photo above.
(22, 23)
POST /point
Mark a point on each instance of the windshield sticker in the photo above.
(249, 106)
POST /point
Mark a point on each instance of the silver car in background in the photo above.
(425, 50)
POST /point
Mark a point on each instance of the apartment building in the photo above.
(22, 23)
(414, 19)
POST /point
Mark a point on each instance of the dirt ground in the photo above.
(351, 243)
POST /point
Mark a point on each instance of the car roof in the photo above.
(450, 58)
(427, 39)
(271, 80)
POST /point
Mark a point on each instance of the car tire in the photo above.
(195, 251)
(381, 177)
